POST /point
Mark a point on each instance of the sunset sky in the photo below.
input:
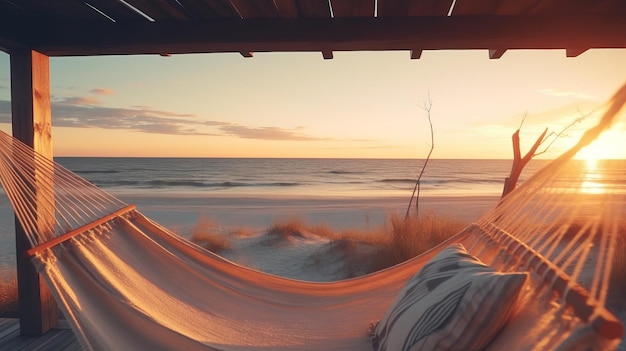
(359, 104)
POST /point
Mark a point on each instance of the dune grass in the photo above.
(300, 228)
(206, 233)
(371, 250)
(413, 236)
(8, 295)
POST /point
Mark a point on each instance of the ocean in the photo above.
(321, 177)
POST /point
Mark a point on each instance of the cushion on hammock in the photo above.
(455, 302)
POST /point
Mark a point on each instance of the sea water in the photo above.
(323, 177)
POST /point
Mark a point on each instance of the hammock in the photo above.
(125, 283)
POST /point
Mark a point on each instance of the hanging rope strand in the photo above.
(48, 199)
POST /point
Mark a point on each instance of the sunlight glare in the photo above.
(610, 145)
(592, 177)
(591, 164)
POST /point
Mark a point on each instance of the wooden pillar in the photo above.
(31, 122)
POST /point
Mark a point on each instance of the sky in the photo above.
(356, 105)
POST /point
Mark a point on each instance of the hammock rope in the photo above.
(553, 226)
(48, 199)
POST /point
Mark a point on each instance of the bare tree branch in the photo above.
(427, 107)
(519, 162)
(560, 134)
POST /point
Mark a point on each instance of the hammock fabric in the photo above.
(126, 283)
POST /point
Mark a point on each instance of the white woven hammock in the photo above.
(126, 283)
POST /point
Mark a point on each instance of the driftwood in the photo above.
(520, 162)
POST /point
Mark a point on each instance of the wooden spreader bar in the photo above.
(62, 238)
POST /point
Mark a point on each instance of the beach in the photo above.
(253, 215)
(258, 213)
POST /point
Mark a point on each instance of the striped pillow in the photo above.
(455, 302)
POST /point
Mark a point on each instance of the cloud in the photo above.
(78, 112)
(565, 93)
(554, 118)
(139, 120)
(80, 101)
(370, 147)
(267, 133)
(102, 91)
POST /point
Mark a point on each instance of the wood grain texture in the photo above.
(31, 123)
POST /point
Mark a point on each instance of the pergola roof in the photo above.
(101, 27)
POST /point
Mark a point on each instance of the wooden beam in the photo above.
(496, 53)
(31, 123)
(479, 32)
(416, 54)
(574, 52)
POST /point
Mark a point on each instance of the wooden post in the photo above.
(31, 122)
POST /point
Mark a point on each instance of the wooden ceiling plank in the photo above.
(314, 8)
(287, 8)
(353, 8)
(256, 9)
(68, 10)
(215, 8)
(578, 7)
(516, 7)
(393, 8)
(160, 9)
(338, 34)
(11, 40)
(430, 7)
(480, 7)
(554, 7)
(116, 10)
(608, 6)
(198, 10)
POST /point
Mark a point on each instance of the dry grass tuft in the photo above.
(414, 236)
(367, 251)
(297, 227)
(292, 227)
(8, 295)
(206, 234)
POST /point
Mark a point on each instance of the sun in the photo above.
(610, 145)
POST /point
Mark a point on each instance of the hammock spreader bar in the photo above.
(72, 233)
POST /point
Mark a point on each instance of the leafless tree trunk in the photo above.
(417, 188)
(519, 162)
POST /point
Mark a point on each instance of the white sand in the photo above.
(305, 258)
(338, 212)
(308, 258)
